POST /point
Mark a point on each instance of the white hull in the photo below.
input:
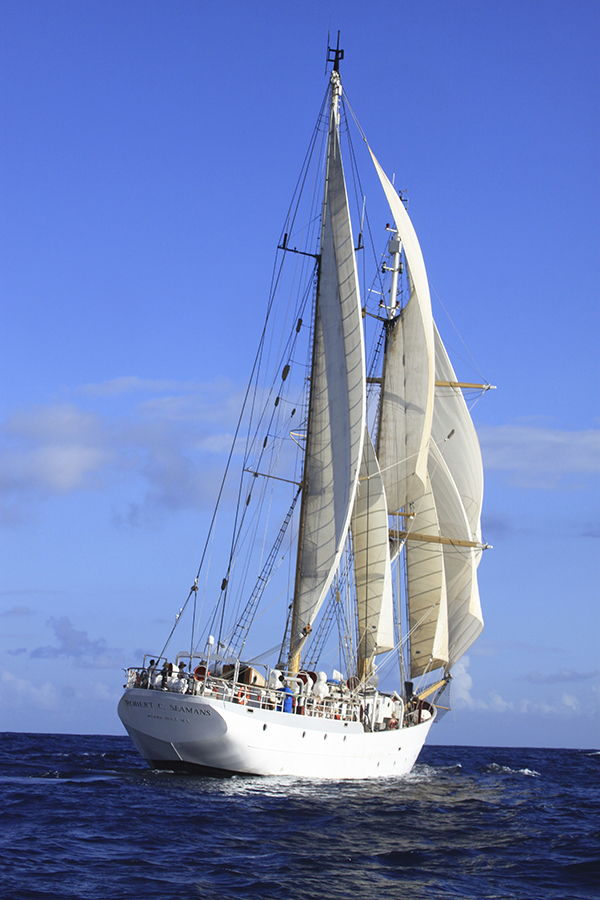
(176, 731)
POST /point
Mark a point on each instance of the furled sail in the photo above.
(426, 589)
(372, 569)
(408, 376)
(336, 420)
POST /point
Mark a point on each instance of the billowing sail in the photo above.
(461, 451)
(431, 464)
(455, 458)
(466, 619)
(372, 569)
(336, 420)
(408, 376)
(426, 589)
(454, 525)
(406, 408)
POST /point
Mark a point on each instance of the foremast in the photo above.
(373, 549)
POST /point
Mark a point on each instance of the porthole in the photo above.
(324, 737)
(265, 727)
(303, 734)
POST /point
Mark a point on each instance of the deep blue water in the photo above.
(82, 817)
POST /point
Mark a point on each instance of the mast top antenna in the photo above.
(337, 53)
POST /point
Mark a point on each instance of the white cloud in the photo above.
(560, 706)
(488, 647)
(462, 684)
(215, 404)
(564, 675)
(97, 690)
(170, 448)
(498, 704)
(77, 645)
(570, 701)
(540, 457)
(62, 468)
(53, 450)
(15, 691)
(128, 384)
(55, 424)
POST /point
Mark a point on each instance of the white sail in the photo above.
(406, 399)
(372, 569)
(337, 407)
(456, 439)
(461, 451)
(408, 377)
(467, 622)
(426, 589)
(460, 562)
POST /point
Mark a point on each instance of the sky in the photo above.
(148, 154)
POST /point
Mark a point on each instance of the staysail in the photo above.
(336, 419)
(372, 569)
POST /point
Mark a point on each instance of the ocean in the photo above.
(82, 817)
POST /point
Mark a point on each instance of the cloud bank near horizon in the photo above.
(539, 457)
(170, 445)
(171, 442)
(462, 697)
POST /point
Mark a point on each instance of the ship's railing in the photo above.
(342, 705)
(419, 711)
(334, 707)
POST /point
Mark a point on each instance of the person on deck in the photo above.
(288, 701)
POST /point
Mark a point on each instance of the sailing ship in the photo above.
(381, 504)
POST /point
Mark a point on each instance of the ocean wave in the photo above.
(468, 822)
(496, 768)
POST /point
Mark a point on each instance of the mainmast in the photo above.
(297, 641)
(337, 401)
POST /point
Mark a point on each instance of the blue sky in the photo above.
(149, 151)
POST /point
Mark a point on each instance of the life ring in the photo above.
(200, 673)
(242, 696)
